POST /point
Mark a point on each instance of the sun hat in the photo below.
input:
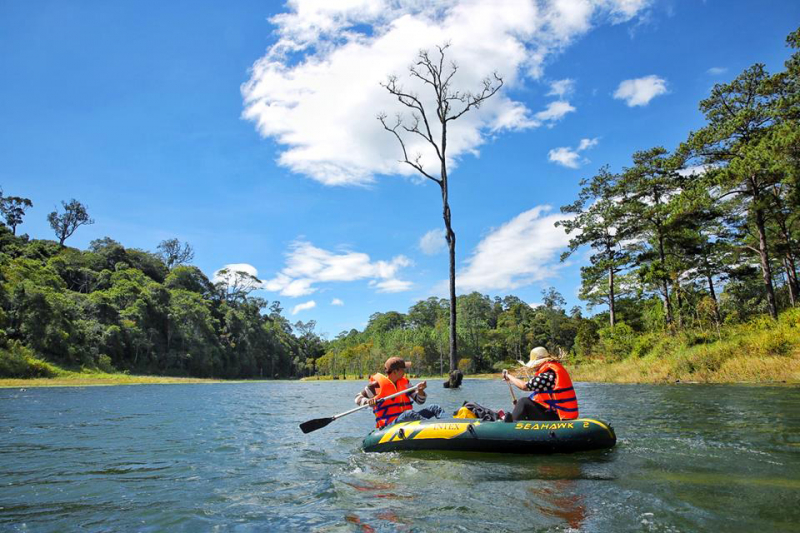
(539, 355)
(396, 363)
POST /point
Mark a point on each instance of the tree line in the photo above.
(116, 308)
(721, 210)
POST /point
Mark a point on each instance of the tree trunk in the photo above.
(664, 281)
(711, 290)
(451, 244)
(788, 259)
(611, 313)
(679, 301)
(713, 294)
(766, 271)
(791, 274)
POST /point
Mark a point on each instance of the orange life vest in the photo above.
(562, 398)
(387, 410)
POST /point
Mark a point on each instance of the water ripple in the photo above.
(231, 457)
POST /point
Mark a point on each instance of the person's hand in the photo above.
(505, 374)
(421, 386)
(372, 402)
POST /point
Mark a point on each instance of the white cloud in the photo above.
(696, 170)
(565, 157)
(337, 301)
(640, 91)
(307, 265)
(520, 252)
(555, 111)
(391, 285)
(311, 304)
(316, 90)
(562, 88)
(433, 242)
(716, 71)
(234, 267)
(569, 157)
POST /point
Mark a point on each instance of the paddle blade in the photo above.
(317, 423)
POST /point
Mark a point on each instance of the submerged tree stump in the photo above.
(454, 381)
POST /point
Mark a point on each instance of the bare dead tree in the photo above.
(450, 104)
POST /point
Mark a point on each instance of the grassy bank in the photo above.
(88, 379)
(760, 351)
(22, 368)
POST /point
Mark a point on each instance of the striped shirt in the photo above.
(363, 397)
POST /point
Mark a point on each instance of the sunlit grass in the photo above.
(761, 351)
(90, 378)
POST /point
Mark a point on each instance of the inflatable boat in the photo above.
(471, 435)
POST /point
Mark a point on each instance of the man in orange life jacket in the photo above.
(396, 409)
(552, 398)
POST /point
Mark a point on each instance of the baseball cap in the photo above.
(396, 363)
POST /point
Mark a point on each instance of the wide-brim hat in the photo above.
(538, 356)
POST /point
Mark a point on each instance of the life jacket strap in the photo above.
(382, 408)
(562, 400)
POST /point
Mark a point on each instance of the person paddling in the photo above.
(397, 409)
(553, 396)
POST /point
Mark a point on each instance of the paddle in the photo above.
(513, 396)
(319, 423)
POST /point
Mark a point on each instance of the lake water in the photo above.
(230, 457)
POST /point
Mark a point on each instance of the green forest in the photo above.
(687, 249)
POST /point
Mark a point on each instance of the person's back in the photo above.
(552, 393)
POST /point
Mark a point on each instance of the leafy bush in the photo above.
(617, 342)
(18, 361)
(104, 364)
(644, 344)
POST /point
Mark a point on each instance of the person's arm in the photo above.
(367, 396)
(514, 380)
(419, 395)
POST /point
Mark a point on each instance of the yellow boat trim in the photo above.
(602, 425)
(440, 430)
(392, 433)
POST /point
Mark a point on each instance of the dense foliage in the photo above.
(115, 308)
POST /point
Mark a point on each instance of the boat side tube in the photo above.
(536, 437)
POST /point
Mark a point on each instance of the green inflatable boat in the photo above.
(472, 435)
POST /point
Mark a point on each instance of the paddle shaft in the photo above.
(340, 415)
(513, 396)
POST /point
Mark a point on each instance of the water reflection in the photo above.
(559, 498)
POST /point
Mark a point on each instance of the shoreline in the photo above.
(99, 380)
(113, 380)
(738, 370)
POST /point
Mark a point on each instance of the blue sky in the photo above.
(248, 129)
